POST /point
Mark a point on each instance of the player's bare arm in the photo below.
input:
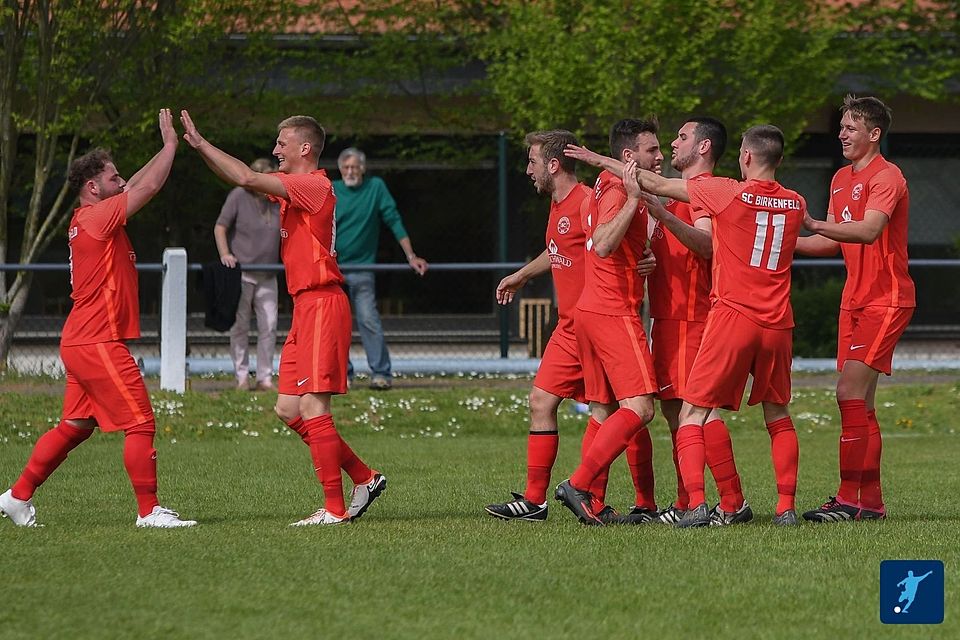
(146, 182)
(607, 236)
(697, 240)
(228, 168)
(816, 246)
(864, 231)
(509, 286)
(675, 188)
(594, 159)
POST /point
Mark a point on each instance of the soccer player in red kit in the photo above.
(104, 386)
(754, 226)
(560, 374)
(866, 220)
(313, 361)
(679, 302)
(611, 341)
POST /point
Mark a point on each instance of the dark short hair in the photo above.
(87, 167)
(308, 129)
(713, 130)
(623, 134)
(765, 141)
(552, 143)
(872, 111)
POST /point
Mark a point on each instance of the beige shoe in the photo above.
(380, 383)
(264, 385)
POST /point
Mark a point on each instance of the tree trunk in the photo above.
(11, 319)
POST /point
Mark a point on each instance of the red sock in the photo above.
(140, 460)
(325, 451)
(691, 455)
(598, 488)
(351, 463)
(785, 451)
(683, 499)
(300, 429)
(719, 456)
(542, 449)
(640, 461)
(48, 454)
(593, 427)
(853, 449)
(610, 441)
(871, 494)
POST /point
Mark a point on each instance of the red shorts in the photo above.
(734, 347)
(104, 383)
(870, 335)
(675, 346)
(314, 356)
(560, 372)
(615, 357)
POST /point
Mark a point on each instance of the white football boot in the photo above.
(163, 518)
(321, 517)
(20, 512)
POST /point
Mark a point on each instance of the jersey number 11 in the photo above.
(764, 220)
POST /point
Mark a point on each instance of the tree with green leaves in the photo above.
(76, 72)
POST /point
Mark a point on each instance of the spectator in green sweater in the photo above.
(361, 206)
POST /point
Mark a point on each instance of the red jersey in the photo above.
(611, 285)
(308, 231)
(680, 285)
(103, 275)
(565, 240)
(876, 273)
(755, 228)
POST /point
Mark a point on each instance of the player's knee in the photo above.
(647, 413)
(286, 413)
(542, 404)
(643, 407)
(849, 390)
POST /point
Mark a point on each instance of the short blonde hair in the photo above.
(308, 129)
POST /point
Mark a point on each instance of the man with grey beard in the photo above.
(361, 206)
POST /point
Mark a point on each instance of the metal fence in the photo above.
(466, 325)
(450, 316)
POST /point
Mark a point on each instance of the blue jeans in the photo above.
(362, 291)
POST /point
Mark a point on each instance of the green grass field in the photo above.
(426, 561)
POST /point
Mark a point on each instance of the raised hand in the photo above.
(167, 132)
(583, 155)
(630, 183)
(190, 133)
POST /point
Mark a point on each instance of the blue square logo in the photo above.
(911, 592)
